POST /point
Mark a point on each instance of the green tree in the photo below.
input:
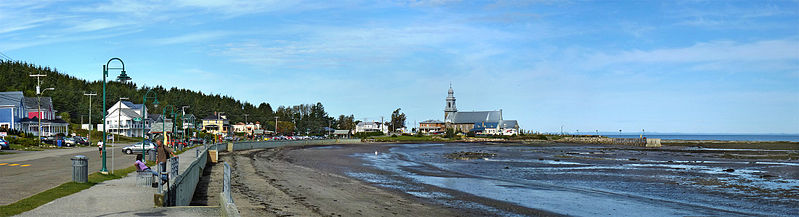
(397, 120)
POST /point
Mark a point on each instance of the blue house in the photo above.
(11, 109)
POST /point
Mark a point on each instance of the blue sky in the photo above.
(663, 66)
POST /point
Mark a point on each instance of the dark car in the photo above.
(81, 140)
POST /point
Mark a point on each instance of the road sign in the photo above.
(136, 119)
(3, 134)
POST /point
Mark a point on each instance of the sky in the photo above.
(660, 66)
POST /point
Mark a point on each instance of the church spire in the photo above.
(451, 108)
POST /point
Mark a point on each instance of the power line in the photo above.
(4, 56)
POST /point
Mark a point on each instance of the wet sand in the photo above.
(279, 182)
(522, 180)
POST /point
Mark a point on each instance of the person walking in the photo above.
(161, 152)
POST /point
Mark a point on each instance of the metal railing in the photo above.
(181, 190)
(226, 198)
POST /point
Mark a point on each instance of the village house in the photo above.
(216, 124)
(371, 126)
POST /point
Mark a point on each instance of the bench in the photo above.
(144, 178)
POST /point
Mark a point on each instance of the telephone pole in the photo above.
(90, 115)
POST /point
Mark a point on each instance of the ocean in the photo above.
(727, 137)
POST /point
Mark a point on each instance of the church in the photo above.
(479, 122)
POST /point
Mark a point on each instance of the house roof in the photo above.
(33, 103)
(214, 117)
(475, 117)
(132, 105)
(129, 113)
(368, 123)
(507, 124)
(12, 98)
(189, 117)
(432, 122)
(157, 128)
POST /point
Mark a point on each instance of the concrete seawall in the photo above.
(613, 141)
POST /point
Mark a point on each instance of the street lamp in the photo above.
(144, 119)
(123, 77)
(39, 99)
(183, 121)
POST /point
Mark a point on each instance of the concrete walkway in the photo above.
(120, 197)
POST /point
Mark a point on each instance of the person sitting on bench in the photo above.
(140, 166)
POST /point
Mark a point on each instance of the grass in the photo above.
(62, 190)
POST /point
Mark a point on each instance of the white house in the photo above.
(125, 118)
(371, 126)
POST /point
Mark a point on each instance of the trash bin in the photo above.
(80, 169)
(59, 142)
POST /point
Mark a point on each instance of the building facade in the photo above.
(126, 118)
(432, 127)
(371, 126)
(216, 124)
(478, 122)
(11, 110)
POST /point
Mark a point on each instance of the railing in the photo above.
(226, 199)
(181, 190)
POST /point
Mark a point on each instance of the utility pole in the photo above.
(246, 123)
(90, 115)
(182, 122)
(381, 124)
(119, 126)
(275, 125)
(38, 97)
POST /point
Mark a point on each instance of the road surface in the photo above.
(28, 173)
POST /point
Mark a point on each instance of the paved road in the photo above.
(27, 173)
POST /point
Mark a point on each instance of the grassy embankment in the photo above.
(62, 190)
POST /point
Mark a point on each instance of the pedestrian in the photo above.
(161, 152)
(100, 146)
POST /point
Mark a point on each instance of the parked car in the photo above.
(68, 142)
(4, 145)
(79, 140)
(136, 148)
(196, 140)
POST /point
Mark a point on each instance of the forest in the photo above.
(70, 102)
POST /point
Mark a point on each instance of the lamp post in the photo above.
(144, 120)
(39, 99)
(219, 126)
(123, 77)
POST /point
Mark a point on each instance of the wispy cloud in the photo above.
(192, 38)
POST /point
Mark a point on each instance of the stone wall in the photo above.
(613, 141)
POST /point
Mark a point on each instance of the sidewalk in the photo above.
(120, 197)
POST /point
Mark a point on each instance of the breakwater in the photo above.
(613, 141)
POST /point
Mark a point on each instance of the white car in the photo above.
(136, 148)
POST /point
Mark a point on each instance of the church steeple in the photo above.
(451, 108)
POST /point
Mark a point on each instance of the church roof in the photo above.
(475, 117)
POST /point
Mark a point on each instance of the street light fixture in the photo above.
(123, 77)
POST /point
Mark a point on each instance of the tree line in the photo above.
(69, 101)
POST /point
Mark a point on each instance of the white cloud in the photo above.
(728, 51)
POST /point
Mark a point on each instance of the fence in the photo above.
(181, 190)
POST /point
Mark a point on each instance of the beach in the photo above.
(512, 179)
